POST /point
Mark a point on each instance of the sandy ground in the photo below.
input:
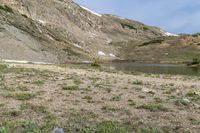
(77, 98)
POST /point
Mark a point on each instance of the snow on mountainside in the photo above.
(168, 33)
(91, 11)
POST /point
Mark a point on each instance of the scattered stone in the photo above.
(186, 100)
(147, 90)
(58, 130)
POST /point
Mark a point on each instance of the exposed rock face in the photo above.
(61, 31)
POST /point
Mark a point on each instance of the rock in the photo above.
(186, 100)
(58, 130)
(147, 90)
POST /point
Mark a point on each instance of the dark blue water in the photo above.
(155, 68)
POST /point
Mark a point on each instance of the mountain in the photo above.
(170, 49)
(60, 31)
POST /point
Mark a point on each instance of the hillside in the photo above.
(171, 49)
(60, 31)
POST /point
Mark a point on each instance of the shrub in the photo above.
(153, 107)
(116, 98)
(129, 26)
(12, 113)
(131, 102)
(137, 82)
(145, 28)
(6, 8)
(182, 102)
(95, 64)
(24, 96)
(156, 41)
(194, 96)
(70, 88)
(2, 67)
(195, 61)
(38, 82)
(30, 127)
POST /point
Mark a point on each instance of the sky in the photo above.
(175, 16)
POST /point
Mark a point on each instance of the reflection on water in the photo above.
(155, 68)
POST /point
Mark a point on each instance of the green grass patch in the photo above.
(149, 130)
(109, 109)
(38, 82)
(25, 127)
(22, 87)
(156, 41)
(35, 108)
(195, 121)
(3, 66)
(153, 107)
(13, 113)
(6, 8)
(130, 26)
(95, 64)
(137, 82)
(87, 97)
(18, 96)
(131, 102)
(30, 127)
(193, 96)
(116, 98)
(182, 102)
(70, 88)
(23, 96)
(111, 127)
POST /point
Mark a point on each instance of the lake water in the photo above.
(154, 68)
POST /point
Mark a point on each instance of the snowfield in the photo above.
(101, 53)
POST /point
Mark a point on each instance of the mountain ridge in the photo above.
(60, 31)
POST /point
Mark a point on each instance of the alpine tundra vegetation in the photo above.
(62, 70)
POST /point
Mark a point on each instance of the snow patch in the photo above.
(24, 62)
(50, 37)
(41, 21)
(120, 17)
(86, 62)
(76, 45)
(112, 55)
(91, 11)
(101, 53)
(168, 34)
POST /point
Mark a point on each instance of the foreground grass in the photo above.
(153, 107)
(92, 100)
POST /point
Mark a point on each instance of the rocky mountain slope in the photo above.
(60, 31)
